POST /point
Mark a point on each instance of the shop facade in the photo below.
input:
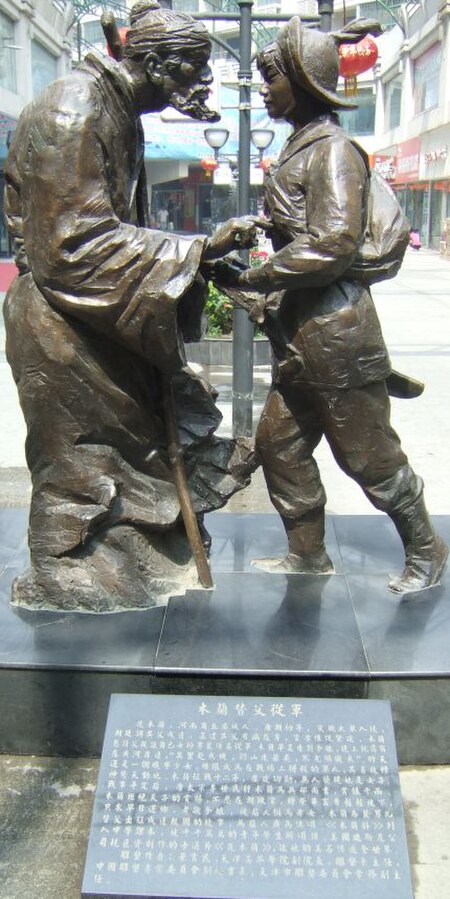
(419, 171)
(36, 48)
(197, 203)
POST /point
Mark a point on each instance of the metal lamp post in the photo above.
(216, 138)
(243, 330)
(325, 10)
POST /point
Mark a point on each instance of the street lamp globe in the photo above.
(262, 138)
(216, 138)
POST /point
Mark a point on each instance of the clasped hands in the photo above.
(237, 233)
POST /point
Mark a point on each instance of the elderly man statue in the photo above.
(95, 323)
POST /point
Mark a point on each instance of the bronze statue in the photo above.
(95, 325)
(332, 366)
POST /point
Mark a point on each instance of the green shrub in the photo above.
(219, 311)
(219, 308)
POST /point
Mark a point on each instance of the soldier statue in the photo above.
(332, 368)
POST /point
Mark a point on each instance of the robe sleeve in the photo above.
(335, 191)
(123, 280)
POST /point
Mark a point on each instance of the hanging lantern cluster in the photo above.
(209, 165)
(354, 59)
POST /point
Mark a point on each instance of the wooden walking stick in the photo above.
(114, 42)
(180, 478)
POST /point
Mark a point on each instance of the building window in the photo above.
(8, 75)
(360, 121)
(219, 52)
(381, 14)
(93, 31)
(393, 103)
(427, 68)
(187, 6)
(44, 67)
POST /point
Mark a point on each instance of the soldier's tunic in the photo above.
(331, 358)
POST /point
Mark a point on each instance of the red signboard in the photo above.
(408, 160)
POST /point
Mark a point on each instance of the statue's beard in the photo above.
(194, 105)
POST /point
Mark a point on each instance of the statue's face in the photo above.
(276, 90)
(191, 88)
(182, 82)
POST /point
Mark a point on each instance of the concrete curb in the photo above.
(219, 351)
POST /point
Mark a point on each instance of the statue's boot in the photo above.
(426, 553)
(307, 553)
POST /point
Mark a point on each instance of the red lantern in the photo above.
(123, 30)
(209, 164)
(266, 163)
(354, 59)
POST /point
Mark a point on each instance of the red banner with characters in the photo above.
(408, 161)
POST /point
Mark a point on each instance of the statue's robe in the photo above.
(95, 324)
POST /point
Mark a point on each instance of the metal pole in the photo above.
(325, 10)
(243, 329)
(428, 224)
(79, 37)
(258, 17)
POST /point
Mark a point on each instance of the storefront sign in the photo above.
(386, 166)
(408, 160)
(223, 174)
(435, 154)
(256, 175)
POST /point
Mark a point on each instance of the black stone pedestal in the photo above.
(256, 634)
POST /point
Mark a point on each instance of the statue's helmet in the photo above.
(310, 60)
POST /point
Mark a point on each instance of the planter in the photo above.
(219, 351)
